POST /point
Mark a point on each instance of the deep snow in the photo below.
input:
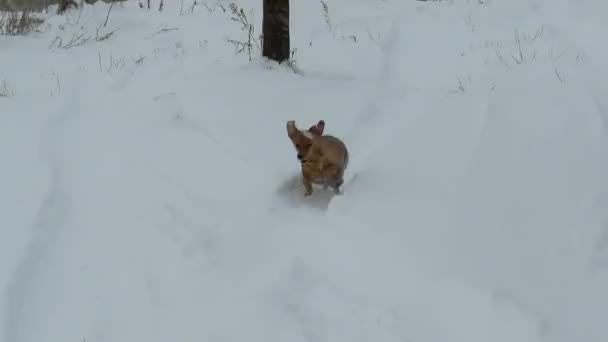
(159, 200)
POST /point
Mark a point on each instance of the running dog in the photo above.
(323, 158)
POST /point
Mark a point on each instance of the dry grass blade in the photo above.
(167, 30)
(105, 36)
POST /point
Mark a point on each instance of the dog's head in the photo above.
(302, 139)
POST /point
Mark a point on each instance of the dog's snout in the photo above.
(300, 156)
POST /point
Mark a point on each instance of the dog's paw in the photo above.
(307, 193)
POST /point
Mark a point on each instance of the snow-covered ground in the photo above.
(149, 192)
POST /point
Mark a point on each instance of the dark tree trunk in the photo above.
(275, 30)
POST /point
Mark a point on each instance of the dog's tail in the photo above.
(345, 157)
(341, 143)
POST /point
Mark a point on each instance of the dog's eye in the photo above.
(297, 145)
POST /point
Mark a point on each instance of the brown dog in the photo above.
(323, 158)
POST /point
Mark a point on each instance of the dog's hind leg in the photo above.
(337, 186)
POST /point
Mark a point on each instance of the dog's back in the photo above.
(333, 149)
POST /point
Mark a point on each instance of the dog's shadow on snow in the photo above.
(292, 191)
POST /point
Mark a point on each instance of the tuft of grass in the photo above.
(191, 9)
(161, 5)
(292, 59)
(469, 22)
(460, 86)
(327, 18)
(65, 5)
(15, 23)
(239, 16)
(215, 6)
(331, 27)
(110, 64)
(114, 64)
(519, 56)
(139, 61)
(80, 37)
(559, 76)
(5, 89)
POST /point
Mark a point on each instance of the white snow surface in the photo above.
(160, 200)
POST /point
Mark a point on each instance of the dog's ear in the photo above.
(318, 128)
(291, 127)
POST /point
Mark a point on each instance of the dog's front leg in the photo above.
(307, 186)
